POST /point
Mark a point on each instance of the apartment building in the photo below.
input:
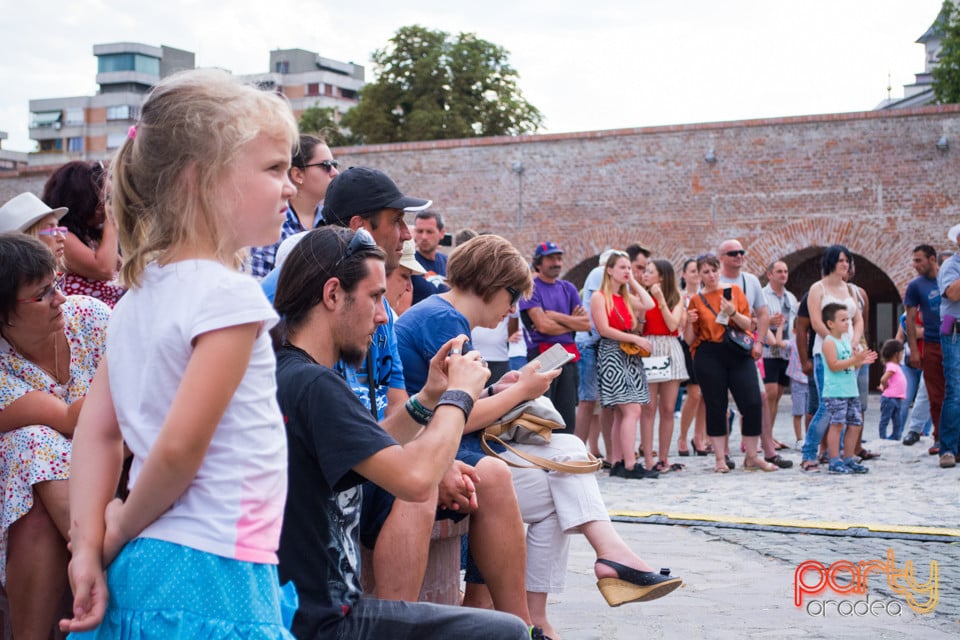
(92, 127)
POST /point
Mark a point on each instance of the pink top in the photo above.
(897, 383)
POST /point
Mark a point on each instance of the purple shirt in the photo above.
(560, 296)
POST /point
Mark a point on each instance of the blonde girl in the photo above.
(188, 383)
(615, 308)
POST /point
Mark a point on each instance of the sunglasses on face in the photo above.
(326, 165)
(47, 294)
(735, 254)
(514, 295)
(52, 231)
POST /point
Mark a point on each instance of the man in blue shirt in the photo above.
(923, 297)
(948, 280)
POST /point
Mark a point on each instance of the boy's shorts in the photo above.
(843, 411)
(798, 397)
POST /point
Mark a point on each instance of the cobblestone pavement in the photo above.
(740, 582)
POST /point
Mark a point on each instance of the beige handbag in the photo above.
(532, 422)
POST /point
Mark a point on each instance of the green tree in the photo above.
(430, 86)
(946, 75)
(322, 122)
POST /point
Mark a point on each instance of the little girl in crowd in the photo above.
(188, 380)
(893, 384)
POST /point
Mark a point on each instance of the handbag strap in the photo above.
(715, 314)
(591, 465)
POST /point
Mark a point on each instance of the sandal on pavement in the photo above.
(676, 466)
(810, 465)
(721, 469)
(661, 467)
(699, 452)
(865, 454)
(730, 463)
(632, 585)
(780, 461)
(761, 465)
(779, 446)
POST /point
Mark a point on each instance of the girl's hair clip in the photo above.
(132, 132)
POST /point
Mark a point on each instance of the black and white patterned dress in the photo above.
(620, 376)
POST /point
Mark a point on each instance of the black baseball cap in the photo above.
(360, 190)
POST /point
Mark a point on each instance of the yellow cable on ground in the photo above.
(798, 524)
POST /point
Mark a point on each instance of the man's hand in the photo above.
(457, 490)
(915, 360)
(437, 377)
(464, 371)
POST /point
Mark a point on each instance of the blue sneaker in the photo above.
(837, 466)
(851, 464)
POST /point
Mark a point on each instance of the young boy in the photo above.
(840, 395)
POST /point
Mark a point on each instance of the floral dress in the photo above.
(33, 454)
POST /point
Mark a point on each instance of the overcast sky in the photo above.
(599, 64)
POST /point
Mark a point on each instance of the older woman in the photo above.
(832, 287)
(50, 346)
(91, 253)
(487, 277)
(721, 367)
(29, 214)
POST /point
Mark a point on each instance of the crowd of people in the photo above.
(226, 365)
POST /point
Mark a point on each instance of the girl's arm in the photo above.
(101, 264)
(598, 309)
(214, 371)
(529, 384)
(96, 462)
(643, 299)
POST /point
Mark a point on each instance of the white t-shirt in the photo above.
(234, 506)
(591, 284)
(492, 343)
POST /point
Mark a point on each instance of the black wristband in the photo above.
(459, 399)
(420, 414)
(490, 391)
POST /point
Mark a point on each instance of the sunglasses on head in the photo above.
(361, 241)
(735, 254)
(326, 165)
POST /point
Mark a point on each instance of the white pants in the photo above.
(553, 505)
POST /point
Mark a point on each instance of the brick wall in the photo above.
(872, 180)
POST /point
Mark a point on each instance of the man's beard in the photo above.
(353, 356)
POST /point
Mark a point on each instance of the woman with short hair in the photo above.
(50, 346)
(487, 276)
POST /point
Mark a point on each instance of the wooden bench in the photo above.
(441, 584)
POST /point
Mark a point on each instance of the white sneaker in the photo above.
(799, 445)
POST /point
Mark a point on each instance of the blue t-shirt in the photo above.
(924, 294)
(840, 384)
(434, 280)
(558, 296)
(949, 272)
(591, 284)
(421, 331)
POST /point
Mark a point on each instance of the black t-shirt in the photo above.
(329, 432)
(803, 311)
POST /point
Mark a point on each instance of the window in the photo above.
(328, 89)
(50, 119)
(349, 94)
(128, 62)
(122, 112)
(313, 88)
(74, 144)
(282, 66)
(114, 140)
(73, 117)
(51, 145)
